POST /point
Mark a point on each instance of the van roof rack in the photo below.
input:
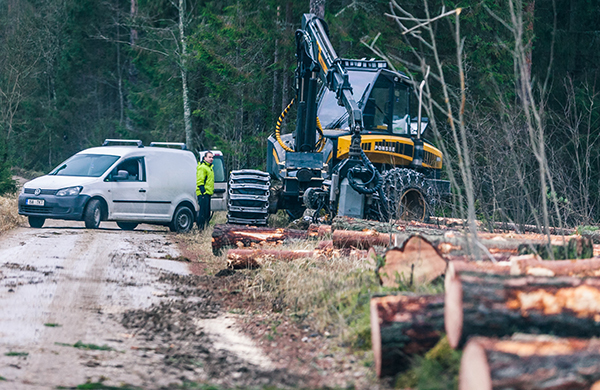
(109, 142)
(180, 145)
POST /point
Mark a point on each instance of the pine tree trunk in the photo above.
(530, 363)
(187, 113)
(403, 326)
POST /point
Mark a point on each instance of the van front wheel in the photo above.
(93, 214)
(36, 222)
(183, 220)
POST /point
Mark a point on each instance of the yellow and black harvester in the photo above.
(355, 150)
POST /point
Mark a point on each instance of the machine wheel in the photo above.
(183, 220)
(248, 197)
(93, 214)
(127, 225)
(36, 222)
(407, 194)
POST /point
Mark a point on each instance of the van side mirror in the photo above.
(121, 175)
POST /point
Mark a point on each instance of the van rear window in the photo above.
(89, 165)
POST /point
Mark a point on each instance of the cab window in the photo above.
(134, 167)
(386, 108)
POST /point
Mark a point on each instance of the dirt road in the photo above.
(80, 306)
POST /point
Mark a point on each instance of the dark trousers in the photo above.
(204, 213)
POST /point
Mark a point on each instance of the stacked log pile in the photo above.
(514, 291)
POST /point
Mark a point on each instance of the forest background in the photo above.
(217, 74)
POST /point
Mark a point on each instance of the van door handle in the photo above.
(142, 190)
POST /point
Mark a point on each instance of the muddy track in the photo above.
(81, 306)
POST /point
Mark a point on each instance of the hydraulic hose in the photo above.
(278, 128)
(363, 188)
(320, 143)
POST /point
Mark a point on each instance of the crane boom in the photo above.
(318, 59)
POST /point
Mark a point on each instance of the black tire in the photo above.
(36, 222)
(407, 195)
(183, 220)
(93, 214)
(127, 225)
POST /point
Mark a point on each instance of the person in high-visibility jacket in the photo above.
(205, 187)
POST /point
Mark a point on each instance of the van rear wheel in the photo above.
(183, 220)
(93, 214)
(127, 225)
(36, 222)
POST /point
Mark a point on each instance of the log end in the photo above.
(453, 311)
(474, 368)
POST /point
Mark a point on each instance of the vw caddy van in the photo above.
(122, 181)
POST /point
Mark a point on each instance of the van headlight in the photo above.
(70, 191)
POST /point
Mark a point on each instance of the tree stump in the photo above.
(417, 261)
(490, 304)
(225, 235)
(530, 363)
(403, 326)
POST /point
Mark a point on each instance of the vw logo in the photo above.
(37, 191)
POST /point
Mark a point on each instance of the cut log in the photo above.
(225, 235)
(360, 240)
(530, 363)
(495, 305)
(403, 326)
(501, 247)
(319, 231)
(531, 265)
(417, 261)
(327, 244)
(254, 258)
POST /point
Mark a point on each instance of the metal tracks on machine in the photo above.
(248, 197)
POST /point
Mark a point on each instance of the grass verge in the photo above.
(9, 212)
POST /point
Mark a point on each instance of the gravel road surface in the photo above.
(107, 306)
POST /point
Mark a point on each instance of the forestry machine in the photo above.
(355, 151)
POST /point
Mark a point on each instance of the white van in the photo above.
(121, 181)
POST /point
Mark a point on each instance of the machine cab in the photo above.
(384, 99)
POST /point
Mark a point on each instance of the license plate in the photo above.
(35, 202)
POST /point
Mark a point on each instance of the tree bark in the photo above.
(317, 7)
(403, 326)
(243, 236)
(489, 304)
(530, 363)
(416, 262)
(255, 258)
(187, 112)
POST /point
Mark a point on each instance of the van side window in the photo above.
(134, 167)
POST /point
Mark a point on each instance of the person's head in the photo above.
(208, 157)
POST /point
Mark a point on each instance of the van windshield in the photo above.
(89, 165)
